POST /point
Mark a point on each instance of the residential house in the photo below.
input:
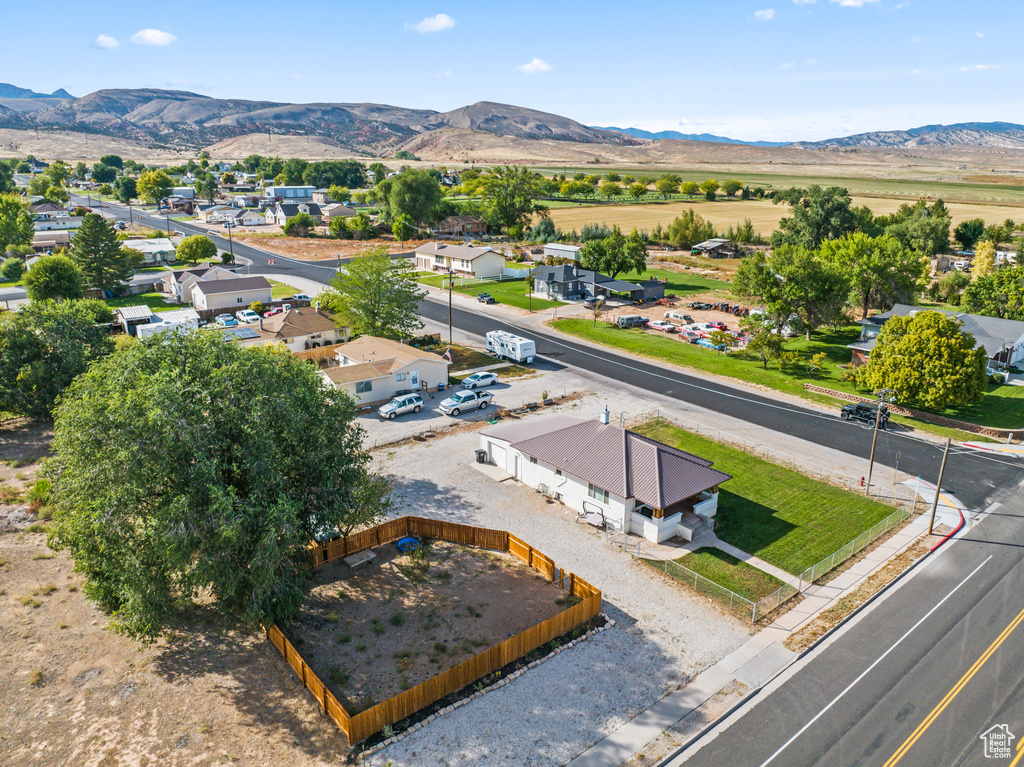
(249, 217)
(49, 241)
(376, 369)
(179, 282)
(214, 214)
(1002, 340)
(57, 222)
(464, 260)
(716, 247)
(299, 329)
(181, 204)
(217, 295)
(141, 321)
(38, 166)
(632, 483)
(45, 209)
(188, 192)
(570, 282)
(462, 226)
(322, 197)
(282, 211)
(335, 210)
(560, 250)
(290, 193)
(158, 250)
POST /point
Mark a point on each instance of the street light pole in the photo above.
(882, 394)
(231, 244)
(451, 274)
(942, 471)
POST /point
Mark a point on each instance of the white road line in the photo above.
(868, 670)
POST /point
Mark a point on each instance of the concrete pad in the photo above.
(492, 471)
(765, 665)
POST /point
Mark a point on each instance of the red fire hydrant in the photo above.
(862, 481)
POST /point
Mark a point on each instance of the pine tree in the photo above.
(96, 249)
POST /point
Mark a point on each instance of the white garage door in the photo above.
(496, 454)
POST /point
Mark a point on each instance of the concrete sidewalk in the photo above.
(754, 664)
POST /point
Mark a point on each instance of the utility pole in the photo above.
(882, 394)
(231, 244)
(938, 486)
(451, 275)
(131, 218)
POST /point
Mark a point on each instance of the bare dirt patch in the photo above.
(368, 634)
(322, 248)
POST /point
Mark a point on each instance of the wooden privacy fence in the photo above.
(360, 726)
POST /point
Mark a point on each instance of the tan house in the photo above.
(464, 260)
(376, 369)
(335, 210)
(299, 329)
(49, 241)
(179, 282)
(462, 226)
(230, 294)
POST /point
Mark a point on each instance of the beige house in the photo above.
(298, 329)
(230, 294)
(376, 369)
(179, 282)
(464, 260)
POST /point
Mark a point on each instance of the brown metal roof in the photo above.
(623, 462)
(527, 428)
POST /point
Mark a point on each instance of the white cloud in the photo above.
(787, 65)
(854, 3)
(105, 41)
(980, 67)
(804, 2)
(445, 73)
(898, 7)
(979, 34)
(535, 66)
(431, 24)
(915, 40)
(153, 37)
(765, 15)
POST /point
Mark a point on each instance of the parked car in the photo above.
(699, 305)
(592, 303)
(717, 326)
(225, 320)
(664, 327)
(402, 403)
(271, 312)
(299, 297)
(865, 412)
(707, 343)
(631, 321)
(689, 336)
(248, 315)
(485, 298)
(465, 400)
(477, 380)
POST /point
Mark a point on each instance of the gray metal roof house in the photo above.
(568, 281)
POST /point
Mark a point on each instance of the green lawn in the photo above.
(280, 290)
(511, 292)
(1000, 407)
(725, 570)
(153, 300)
(679, 283)
(773, 512)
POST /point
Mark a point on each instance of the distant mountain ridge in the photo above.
(707, 137)
(994, 134)
(8, 91)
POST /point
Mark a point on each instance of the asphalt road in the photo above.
(916, 681)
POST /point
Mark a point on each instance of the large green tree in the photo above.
(816, 215)
(880, 269)
(43, 348)
(928, 360)
(969, 232)
(416, 194)
(999, 294)
(15, 222)
(919, 227)
(615, 254)
(105, 264)
(195, 248)
(299, 225)
(509, 197)
(54, 278)
(125, 189)
(188, 471)
(376, 295)
(6, 178)
(154, 186)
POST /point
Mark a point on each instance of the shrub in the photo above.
(13, 268)
(997, 378)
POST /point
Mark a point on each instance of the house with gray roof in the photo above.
(1002, 340)
(568, 281)
(629, 482)
(463, 260)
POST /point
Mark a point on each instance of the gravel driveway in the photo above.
(663, 637)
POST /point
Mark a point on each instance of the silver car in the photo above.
(466, 400)
(404, 403)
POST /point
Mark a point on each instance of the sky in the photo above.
(779, 70)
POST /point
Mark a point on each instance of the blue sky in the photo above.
(768, 69)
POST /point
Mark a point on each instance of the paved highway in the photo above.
(915, 682)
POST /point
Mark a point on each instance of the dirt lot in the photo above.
(322, 249)
(394, 623)
(654, 312)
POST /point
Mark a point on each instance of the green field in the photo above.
(725, 570)
(153, 300)
(772, 512)
(1001, 407)
(511, 292)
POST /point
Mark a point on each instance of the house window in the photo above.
(558, 472)
(597, 493)
(364, 386)
(399, 377)
(439, 260)
(239, 300)
(532, 459)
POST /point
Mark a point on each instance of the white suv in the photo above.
(403, 403)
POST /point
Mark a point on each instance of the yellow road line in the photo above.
(1020, 753)
(921, 728)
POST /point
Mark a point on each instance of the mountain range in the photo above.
(186, 120)
(708, 137)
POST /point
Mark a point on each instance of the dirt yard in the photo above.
(394, 623)
(322, 248)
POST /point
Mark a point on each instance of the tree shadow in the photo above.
(26, 442)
